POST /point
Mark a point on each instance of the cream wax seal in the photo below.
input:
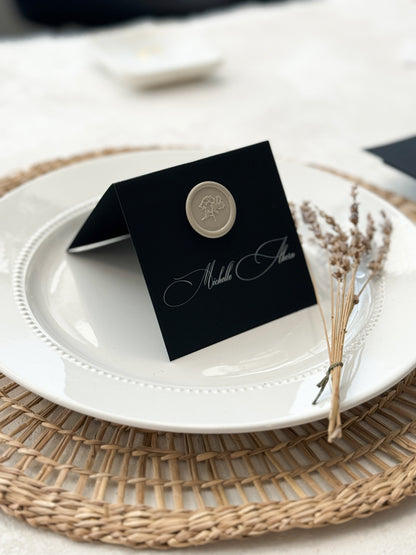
(210, 209)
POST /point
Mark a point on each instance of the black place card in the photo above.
(401, 155)
(216, 242)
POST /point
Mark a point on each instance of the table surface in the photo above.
(322, 80)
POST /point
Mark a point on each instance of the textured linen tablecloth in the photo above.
(322, 80)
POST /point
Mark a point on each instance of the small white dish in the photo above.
(81, 331)
(155, 55)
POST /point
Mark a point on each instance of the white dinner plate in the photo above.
(80, 329)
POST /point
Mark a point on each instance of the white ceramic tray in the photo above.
(152, 55)
(80, 329)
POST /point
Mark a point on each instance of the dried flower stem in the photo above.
(345, 251)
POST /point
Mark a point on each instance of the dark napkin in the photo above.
(400, 155)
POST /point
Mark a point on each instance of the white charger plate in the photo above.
(80, 329)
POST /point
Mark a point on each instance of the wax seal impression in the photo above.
(210, 209)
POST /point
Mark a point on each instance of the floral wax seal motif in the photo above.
(210, 209)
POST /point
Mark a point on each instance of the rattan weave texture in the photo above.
(96, 481)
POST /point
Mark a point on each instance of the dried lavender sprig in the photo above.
(354, 208)
(376, 265)
(330, 220)
(310, 218)
(370, 231)
(345, 254)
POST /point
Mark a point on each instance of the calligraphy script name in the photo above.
(249, 268)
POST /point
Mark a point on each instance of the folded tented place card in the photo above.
(216, 242)
(400, 155)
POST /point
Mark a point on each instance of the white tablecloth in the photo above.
(322, 80)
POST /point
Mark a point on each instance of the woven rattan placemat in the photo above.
(96, 481)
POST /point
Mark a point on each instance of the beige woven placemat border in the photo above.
(96, 481)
